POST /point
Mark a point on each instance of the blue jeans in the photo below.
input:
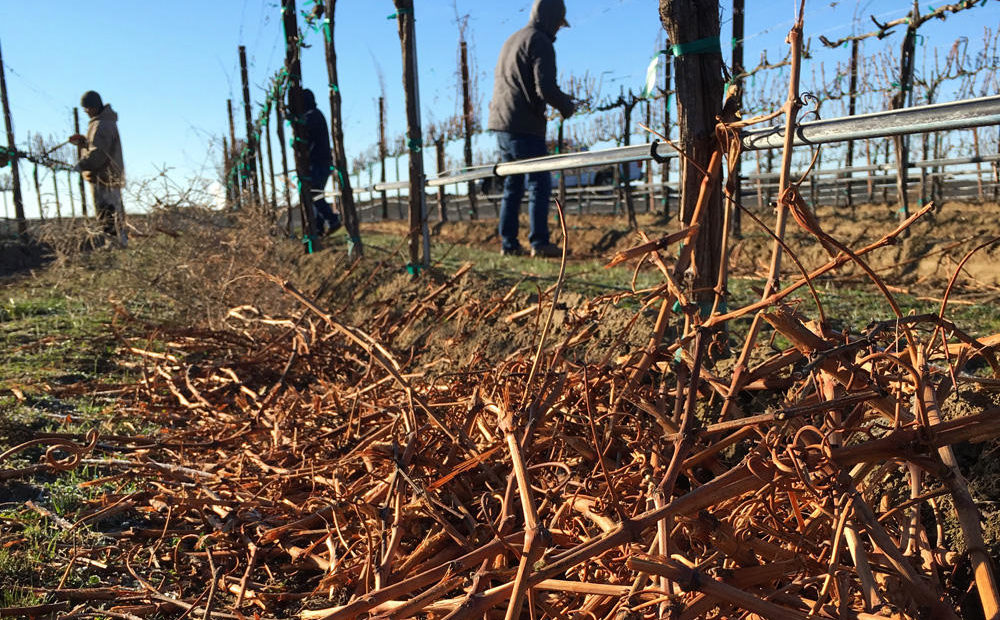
(522, 146)
(325, 217)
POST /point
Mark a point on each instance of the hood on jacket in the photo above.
(308, 99)
(107, 114)
(549, 16)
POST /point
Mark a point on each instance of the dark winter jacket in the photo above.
(317, 132)
(525, 76)
(101, 158)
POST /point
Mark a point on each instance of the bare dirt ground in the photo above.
(924, 260)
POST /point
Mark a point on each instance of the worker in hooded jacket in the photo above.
(524, 82)
(102, 164)
(317, 138)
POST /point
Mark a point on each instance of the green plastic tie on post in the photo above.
(308, 242)
(340, 175)
(413, 270)
(704, 307)
(654, 63)
(708, 45)
(398, 13)
(334, 88)
(414, 145)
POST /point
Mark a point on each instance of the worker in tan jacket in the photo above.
(102, 165)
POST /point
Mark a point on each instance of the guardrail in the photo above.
(966, 114)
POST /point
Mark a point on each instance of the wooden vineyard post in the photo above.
(38, 192)
(279, 131)
(69, 191)
(439, 160)
(266, 136)
(382, 151)
(55, 195)
(236, 160)
(852, 107)
(468, 125)
(251, 159)
(906, 61)
(15, 175)
(979, 165)
(418, 216)
(343, 178)
(650, 193)
(79, 150)
(737, 166)
(227, 170)
(698, 79)
(665, 166)
(625, 175)
(293, 66)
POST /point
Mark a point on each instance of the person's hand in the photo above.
(573, 103)
(77, 140)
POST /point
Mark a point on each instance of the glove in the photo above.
(570, 109)
(77, 140)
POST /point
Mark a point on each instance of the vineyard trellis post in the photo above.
(439, 161)
(293, 66)
(235, 176)
(665, 166)
(251, 146)
(279, 132)
(693, 29)
(266, 135)
(650, 194)
(382, 152)
(227, 166)
(349, 211)
(624, 175)
(79, 152)
(898, 101)
(468, 121)
(739, 13)
(418, 212)
(38, 192)
(69, 191)
(15, 175)
(852, 108)
(55, 195)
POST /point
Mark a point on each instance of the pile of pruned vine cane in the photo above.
(305, 470)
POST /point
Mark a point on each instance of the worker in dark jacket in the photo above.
(317, 136)
(524, 82)
(102, 164)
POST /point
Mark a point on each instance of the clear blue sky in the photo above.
(168, 67)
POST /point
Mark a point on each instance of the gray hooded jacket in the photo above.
(101, 157)
(525, 76)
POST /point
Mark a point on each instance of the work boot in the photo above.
(514, 251)
(547, 250)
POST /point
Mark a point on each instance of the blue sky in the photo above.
(168, 67)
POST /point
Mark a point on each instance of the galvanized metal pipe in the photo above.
(922, 119)
(929, 163)
(937, 117)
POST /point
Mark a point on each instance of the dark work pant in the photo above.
(319, 174)
(522, 146)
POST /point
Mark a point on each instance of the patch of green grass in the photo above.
(587, 276)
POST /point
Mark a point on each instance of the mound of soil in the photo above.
(926, 258)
